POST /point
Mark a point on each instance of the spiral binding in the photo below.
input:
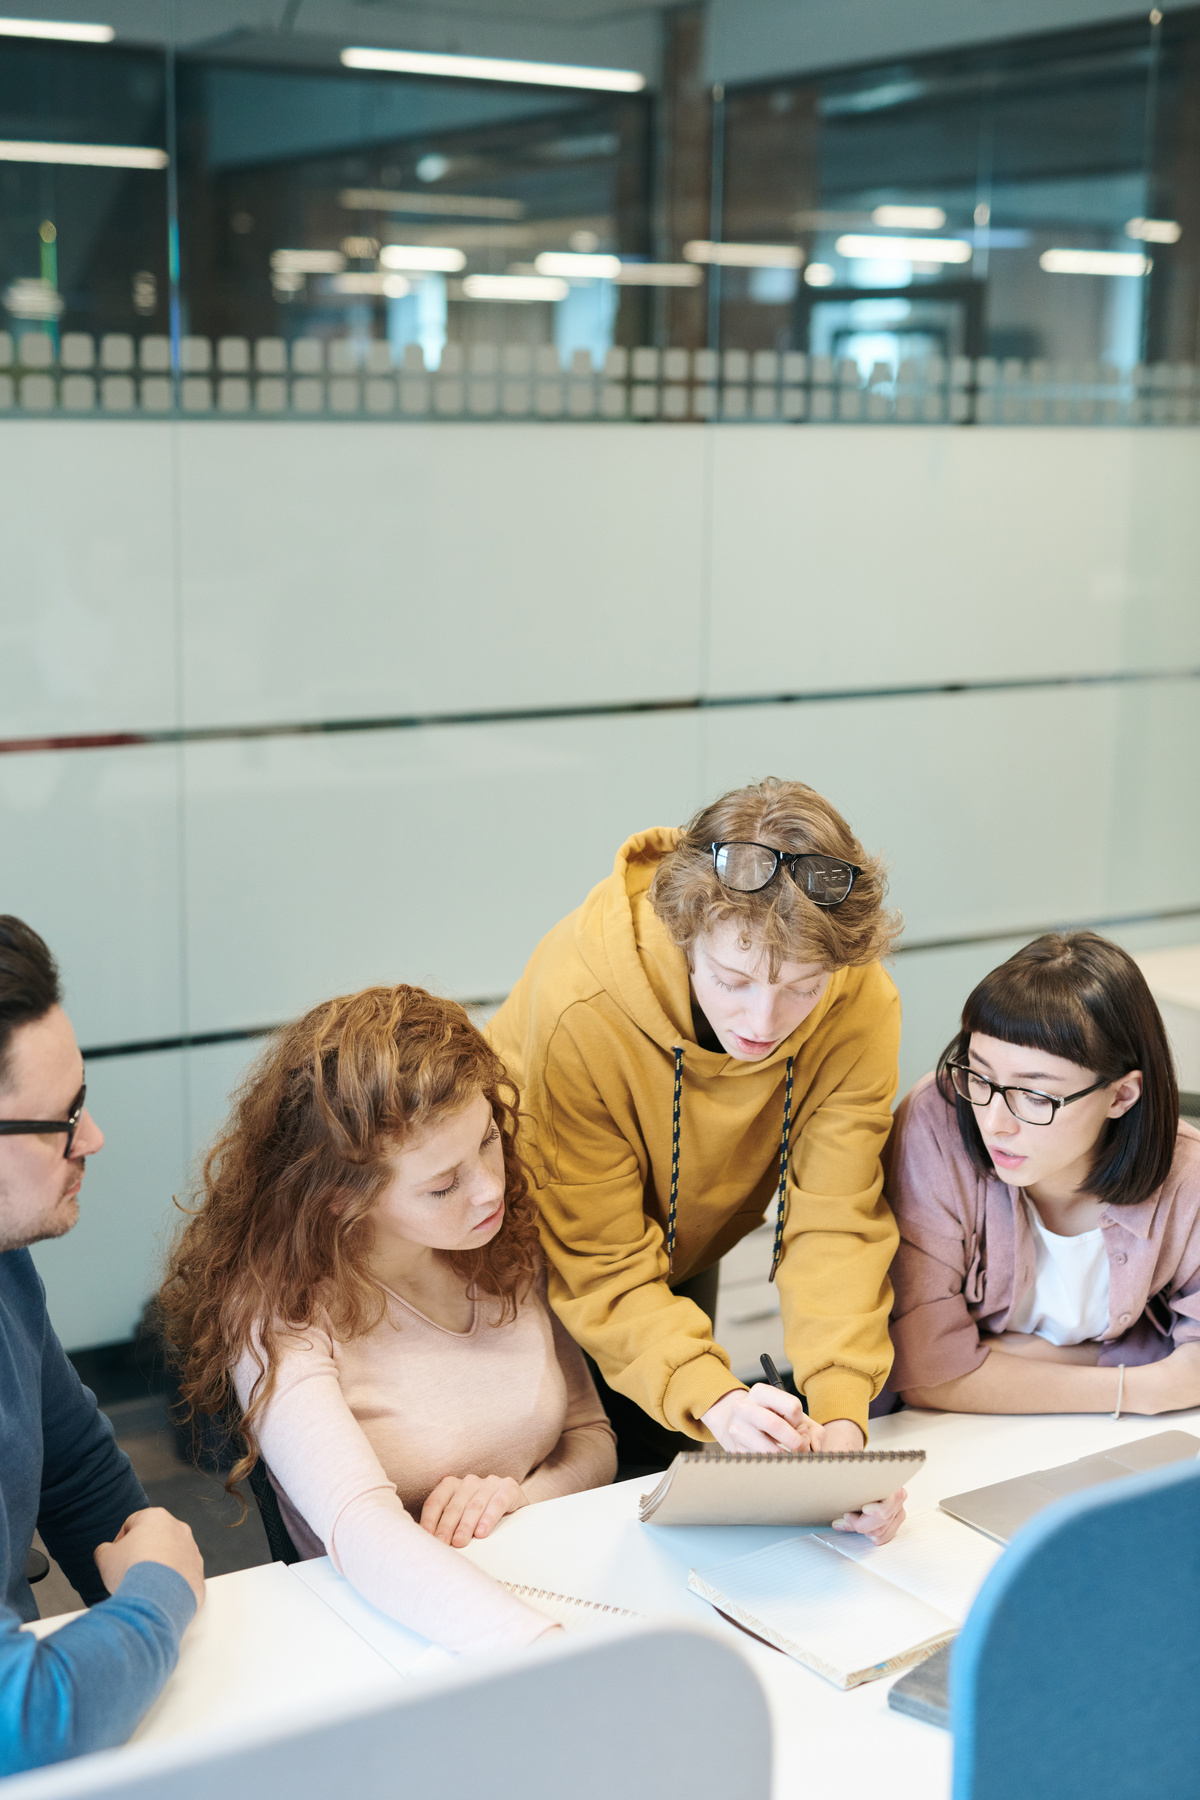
(596, 1606)
(800, 1456)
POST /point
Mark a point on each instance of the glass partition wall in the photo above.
(247, 225)
(1034, 201)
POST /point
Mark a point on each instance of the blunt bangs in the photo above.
(1077, 996)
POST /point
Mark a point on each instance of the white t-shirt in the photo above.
(1068, 1302)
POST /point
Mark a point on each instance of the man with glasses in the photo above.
(708, 1039)
(85, 1686)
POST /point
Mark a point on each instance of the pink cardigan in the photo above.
(966, 1253)
(357, 1434)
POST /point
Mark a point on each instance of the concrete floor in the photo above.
(144, 1432)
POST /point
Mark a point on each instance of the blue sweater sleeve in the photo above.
(88, 1486)
(86, 1686)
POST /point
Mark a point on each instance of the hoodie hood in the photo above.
(627, 949)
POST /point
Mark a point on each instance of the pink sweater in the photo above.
(357, 1434)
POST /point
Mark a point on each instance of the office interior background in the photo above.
(414, 485)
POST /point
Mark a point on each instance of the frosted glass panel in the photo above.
(406, 569)
(87, 618)
(318, 865)
(91, 860)
(845, 559)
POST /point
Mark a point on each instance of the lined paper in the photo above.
(932, 1557)
(840, 1619)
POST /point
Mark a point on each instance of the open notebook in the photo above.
(786, 1487)
(847, 1610)
(409, 1653)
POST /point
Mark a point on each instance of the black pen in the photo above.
(770, 1371)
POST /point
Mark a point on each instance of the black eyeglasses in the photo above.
(1026, 1104)
(748, 868)
(33, 1127)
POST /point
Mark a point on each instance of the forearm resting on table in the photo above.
(1015, 1380)
(1007, 1383)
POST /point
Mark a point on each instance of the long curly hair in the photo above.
(279, 1233)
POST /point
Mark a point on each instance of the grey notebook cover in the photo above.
(1002, 1509)
(924, 1692)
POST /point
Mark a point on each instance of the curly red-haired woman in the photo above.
(361, 1282)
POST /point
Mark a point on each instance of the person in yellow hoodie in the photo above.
(712, 1033)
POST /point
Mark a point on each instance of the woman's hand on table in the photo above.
(462, 1507)
(1170, 1385)
(763, 1419)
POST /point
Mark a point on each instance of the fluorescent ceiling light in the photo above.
(33, 298)
(95, 156)
(587, 265)
(1155, 231)
(745, 256)
(575, 265)
(444, 206)
(819, 275)
(307, 262)
(57, 28)
(1094, 262)
(514, 287)
(495, 68)
(659, 275)
(369, 282)
(421, 258)
(909, 218)
(903, 249)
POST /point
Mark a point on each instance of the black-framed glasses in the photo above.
(1026, 1104)
(39, 1127)
(748, 868)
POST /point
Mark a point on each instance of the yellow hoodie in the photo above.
(589, 1033)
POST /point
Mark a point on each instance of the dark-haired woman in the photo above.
(1048, 1198)
(362, 1279)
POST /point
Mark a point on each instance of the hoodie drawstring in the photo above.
(777, 1251)
(676, 1105)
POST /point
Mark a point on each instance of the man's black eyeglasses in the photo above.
(32, 1127)
(1026, 1104)
(748, 868)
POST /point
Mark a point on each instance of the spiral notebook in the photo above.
(414, 1656)
(789, 1487)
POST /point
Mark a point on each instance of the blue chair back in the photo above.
(1077, 1673)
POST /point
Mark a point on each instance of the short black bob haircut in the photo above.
(1075, 995)
(29, 983)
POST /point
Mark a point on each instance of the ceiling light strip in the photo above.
(493, 68)
(93, 156)
(60, 29)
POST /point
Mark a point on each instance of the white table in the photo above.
(267, 1647)
(827, 1743)
(261, 1649)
